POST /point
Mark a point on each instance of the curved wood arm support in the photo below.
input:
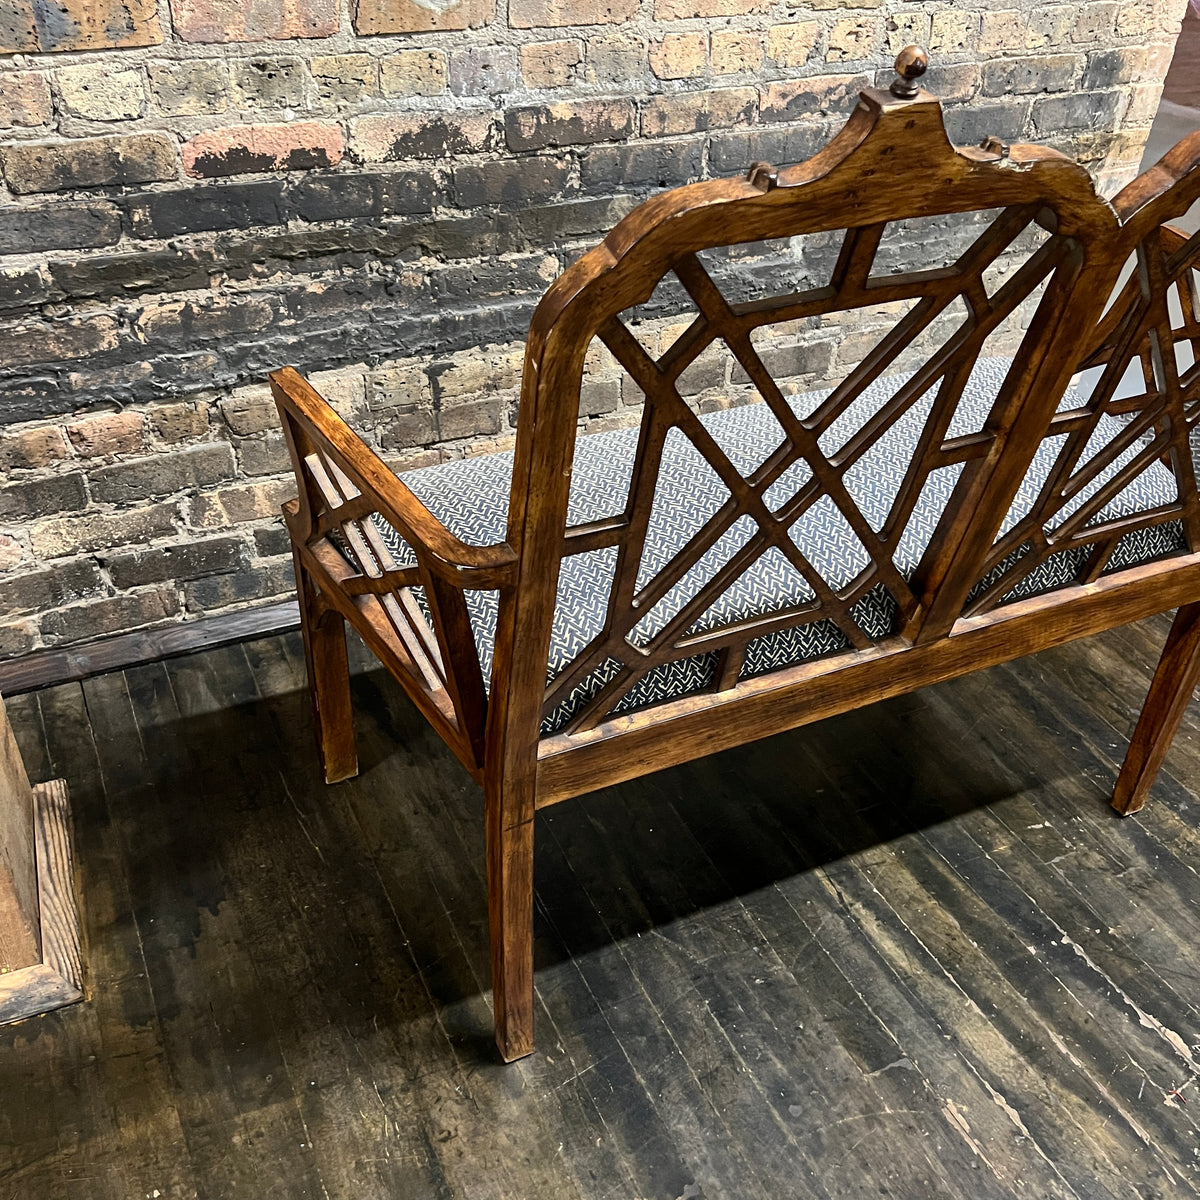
(462, 565)
(1161, 194)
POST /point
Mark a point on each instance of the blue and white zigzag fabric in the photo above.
(470, 496)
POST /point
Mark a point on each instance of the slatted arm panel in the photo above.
(413, 613)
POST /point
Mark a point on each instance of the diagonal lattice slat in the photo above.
(630, 645)
(1077, 511)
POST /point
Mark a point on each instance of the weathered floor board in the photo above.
(907, 952)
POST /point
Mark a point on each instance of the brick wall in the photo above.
(201, 190)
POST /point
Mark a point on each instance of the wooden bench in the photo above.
(584, 611)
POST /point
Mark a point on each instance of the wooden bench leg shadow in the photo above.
(41, 967)
(1174, 681)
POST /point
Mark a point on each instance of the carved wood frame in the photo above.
(891, 161)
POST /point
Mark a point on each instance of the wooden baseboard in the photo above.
(47, 668)
(58, 979)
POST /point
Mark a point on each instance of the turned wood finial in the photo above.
(911, 63)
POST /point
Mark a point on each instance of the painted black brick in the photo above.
(163, 474)
(20, 288)
(113, 614)
(644, 164)
(131, 274)
(974, 123)
(191, 560)
(791, 102)
(199, 209)
(272, 541)
(477, 282)
(784, 362)
(579, 124)
(341, 196)
(50, 588)
(511, 182)
(253, 583)
(1054, 115)
(89, 162)
(733, 153)
(38, 497)
(1016, 76)
(58, 227)
(951, 83)
(1108, 68)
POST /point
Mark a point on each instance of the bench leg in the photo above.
(1174, 681)
(324, 632)
(510, 919)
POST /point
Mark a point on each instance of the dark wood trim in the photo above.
(47, 668)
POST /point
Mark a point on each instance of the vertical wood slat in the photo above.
(20, 932)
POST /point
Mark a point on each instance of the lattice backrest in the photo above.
(1133, 414)
(891, 163)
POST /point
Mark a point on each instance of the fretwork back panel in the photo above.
(830, 492)
(1130, 420)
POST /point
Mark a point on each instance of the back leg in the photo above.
(324, 631)
(1174, 681)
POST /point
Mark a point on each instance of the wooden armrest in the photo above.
(461, 564)
(1162, 193)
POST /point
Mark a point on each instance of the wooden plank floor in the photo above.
(906, 953)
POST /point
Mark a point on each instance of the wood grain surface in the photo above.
(20, 933)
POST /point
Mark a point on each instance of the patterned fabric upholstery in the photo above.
(470, 496)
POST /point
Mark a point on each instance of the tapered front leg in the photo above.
(510, 918)
(324, 632)
(1174, 681)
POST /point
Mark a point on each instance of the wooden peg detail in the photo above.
(763, 176)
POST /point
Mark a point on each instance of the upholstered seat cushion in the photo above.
(470, 496)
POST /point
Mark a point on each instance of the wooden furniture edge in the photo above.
(697, 726)
(48, 668)
(58, 979)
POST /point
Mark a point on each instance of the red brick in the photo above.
(736, 51)
(550, 64)
(412, 16)
(12, 553)
(552, 14)
(679, 55)
(24, 99)
(792, 100)
(249, 148)
(18, 33)
(80, 25)
(32, 448)
(238, 21)
(107, 433)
